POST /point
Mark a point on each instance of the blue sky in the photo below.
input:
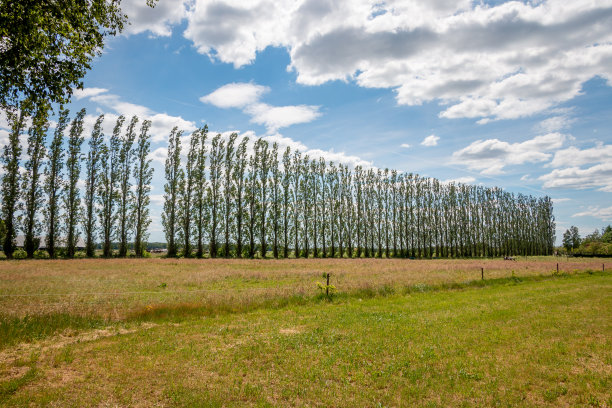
(509, 94)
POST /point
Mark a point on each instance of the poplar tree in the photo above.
(286, 186)
(107, 189)
(126, 159)
(32, 188)
(72, 199)
(174, 175)
(200, 199)
(214, 191)
(54, 183)
(322, 198)
(10, 180)
(264, 202)
(91, 183)
(296, 167)
(239, 182)
(252, 188)
(143, 174)
(229, 191)
(185, 201)
(276, 193)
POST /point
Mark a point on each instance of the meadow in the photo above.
(183, 332)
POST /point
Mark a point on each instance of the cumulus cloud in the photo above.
(431, 140)
(555, 123)
(460, 180)
(235, 95)
(572, 156)
(275, 117)
(598, 176)
(604, 214)
(490, 156)
(161, 123)
(247, 96)
(481, 61)
(157, 21)
(405, 146)
(581, 168)
(87, 92)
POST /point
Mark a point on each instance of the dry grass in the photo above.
(119, 288)
(519, 343)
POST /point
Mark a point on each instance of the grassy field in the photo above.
(256, 333)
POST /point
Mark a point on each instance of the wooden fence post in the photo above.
(327, 286)
(482, 273)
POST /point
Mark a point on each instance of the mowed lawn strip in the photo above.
(531, 343)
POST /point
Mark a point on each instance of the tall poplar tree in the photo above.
(33, 189)
(126, 159)
(174, 175)
(276, 196)
(239, 181)
(54, 183)
(143, 174)
(252, 189)
(92, 166)
(186, 196)
(286, 186)
(72, 198)
(229, 191)
(10, 181)
(107, 189)
(200, 199)
(214, 191)
(264, 202)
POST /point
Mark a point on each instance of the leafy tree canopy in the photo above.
(46, 46)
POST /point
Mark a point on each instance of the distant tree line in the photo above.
(45, 198)
(598, 243)
(235, 199)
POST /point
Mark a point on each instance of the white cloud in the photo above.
(555, 123)
(572, 156)
(405, 146)
(460, 180)
(247, 95)
(157, 21)
(87, 92)
(570, 172)
(561, 200)
(604, 214)
(276, 117)
(431, 140)
(161, 123)
(492, 155)
(235, 95)
(157, 199)
(480, 61)
(598, 176)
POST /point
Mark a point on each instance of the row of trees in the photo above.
(240, 199)
(45, 198)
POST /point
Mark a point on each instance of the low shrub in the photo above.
(41, 254)
(20, 254)
(80, 255)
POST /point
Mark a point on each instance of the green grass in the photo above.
(529, 341)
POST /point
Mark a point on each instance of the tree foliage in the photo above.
(46, 46)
